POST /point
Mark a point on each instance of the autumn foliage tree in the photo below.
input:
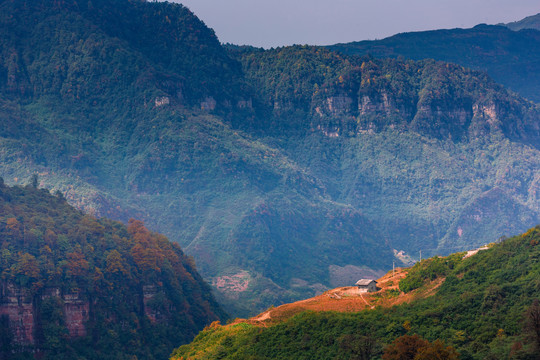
(27, 266)
(116, 264)
(49, 250)
(77, 265)
(413, 347)
(146, 252)
(13, 227)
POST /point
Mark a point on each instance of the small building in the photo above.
(366, 285)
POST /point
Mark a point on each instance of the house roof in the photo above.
(364, 282)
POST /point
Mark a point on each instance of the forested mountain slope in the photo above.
(73, 286)
(283, 172)
(530, 22)
(510, 57)
(430, 152)
(485, 306)
(105, 118)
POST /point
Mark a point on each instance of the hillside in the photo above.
(423, 149)
(512, 58)
(285, 172)
(530, 22)
(73, 286)
(485, 306)
(111, 125)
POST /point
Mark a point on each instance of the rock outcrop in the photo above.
(19, 309)
(22, 311)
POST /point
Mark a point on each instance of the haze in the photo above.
(324, 22)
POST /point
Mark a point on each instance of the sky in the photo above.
(272, 23)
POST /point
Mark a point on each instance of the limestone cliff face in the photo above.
(149, 293)
(436, 118)
(382, 105)
(22, 311)
(76, 312)
(19, 308)
(339, 105)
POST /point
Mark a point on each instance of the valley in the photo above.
(251, 158)
(280, 176)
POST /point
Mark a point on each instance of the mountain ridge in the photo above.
(509, 57)
(530, 22)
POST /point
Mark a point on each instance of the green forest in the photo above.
(133, 144)
(508, 53)
(295, 168)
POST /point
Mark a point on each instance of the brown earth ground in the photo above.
(348, 299)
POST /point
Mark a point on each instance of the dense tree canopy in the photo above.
(288, 166)
(46, 244)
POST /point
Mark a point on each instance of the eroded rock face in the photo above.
(18, 307)
(149, 292)
(22, 311)
(245, 104)
(381, 110)
(162, 101)
(76, 311)
(338, 105)
(367, 105)
(209, 104)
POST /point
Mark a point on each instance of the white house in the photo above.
(366, 285)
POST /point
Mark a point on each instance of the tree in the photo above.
(360, 347)
(77, 265)
(27, 268)
(116, 264)
(532, 325)
(414, 347)
(13, 227)
(404, 348)
(436, 351)
(34, 180)
(145, 258)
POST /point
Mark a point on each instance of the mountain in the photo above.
(510, 57)
(106, 120)
(467, 306)
(73, 286)
(406, 142)
(283, 172)
(530, 22)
